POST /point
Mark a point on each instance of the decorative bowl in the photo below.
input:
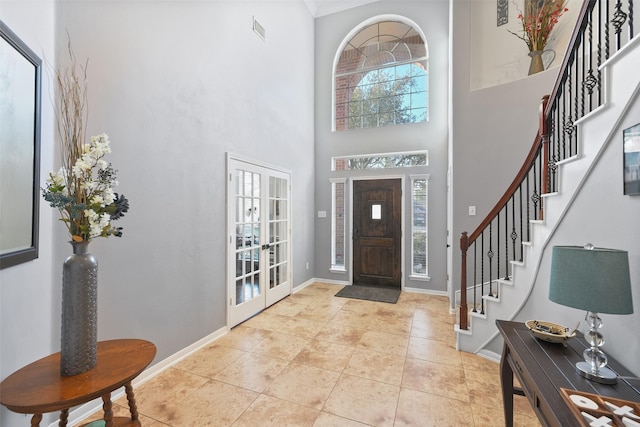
(549, 332)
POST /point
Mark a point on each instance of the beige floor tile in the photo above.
(473, 361)
(242, 338)
(352, 318)
(384, 343)
(253, 371)
(209, 360)
(282, 346)
(363, 400)
(268, 411)
(426, 314)
(382, 367)
(435, 378)
(416, 408)
(159, 397)
(484, 387)
(266, 321)
(303, 384)
(361, 306)
(433, 351)
(301, 327)
(325, 355)
(392, 324)
(342, 334)
(121, 409)
(320, 313)
(286, 307)
(214, 404)
(434, 330)
(314, 359)
(485, 416)
(326, 419)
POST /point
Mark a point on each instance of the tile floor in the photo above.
(314, 359)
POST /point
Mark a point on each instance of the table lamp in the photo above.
(596, 280)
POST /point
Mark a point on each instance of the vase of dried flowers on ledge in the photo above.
(82, 190)
(538, 20)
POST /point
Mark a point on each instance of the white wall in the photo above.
(432, 18)
(27, 308)
(175, 85)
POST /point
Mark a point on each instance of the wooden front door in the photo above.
(377, 232)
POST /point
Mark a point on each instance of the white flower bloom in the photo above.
(102, 164)
(98, 199)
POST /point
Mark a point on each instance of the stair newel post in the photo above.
(464, 312)
(544, 137)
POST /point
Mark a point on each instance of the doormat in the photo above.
(368, 293)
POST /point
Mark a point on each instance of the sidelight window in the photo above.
(419, 226)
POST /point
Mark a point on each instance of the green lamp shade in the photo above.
(591, 279)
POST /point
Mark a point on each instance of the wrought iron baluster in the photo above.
(490, 257)
(482, 273)
(475, 277)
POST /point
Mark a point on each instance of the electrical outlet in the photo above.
(472, 210)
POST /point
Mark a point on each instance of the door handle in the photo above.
(356, 234)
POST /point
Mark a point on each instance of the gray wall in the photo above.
(432, 18)
(491, 133)
(28, 314)
(175, 85)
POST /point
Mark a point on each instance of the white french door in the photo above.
(259, 267)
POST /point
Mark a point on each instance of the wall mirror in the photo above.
(20, 96)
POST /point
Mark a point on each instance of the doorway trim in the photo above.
(231, 231)
(402, 222)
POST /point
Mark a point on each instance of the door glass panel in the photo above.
(376, 211)
(247, 223)
(278, 226)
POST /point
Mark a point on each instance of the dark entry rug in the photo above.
(370, 293)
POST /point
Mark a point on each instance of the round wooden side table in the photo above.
(39, 388)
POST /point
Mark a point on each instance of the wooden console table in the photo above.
(39, 388)
(542, 368)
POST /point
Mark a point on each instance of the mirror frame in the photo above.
(19, 255)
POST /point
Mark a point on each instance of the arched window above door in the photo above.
(381, 76)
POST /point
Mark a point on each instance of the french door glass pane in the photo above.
(248, 238)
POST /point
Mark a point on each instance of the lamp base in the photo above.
(603, 376)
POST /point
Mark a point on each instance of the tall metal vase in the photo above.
(79, 311)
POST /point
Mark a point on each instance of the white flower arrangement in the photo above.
(84, 194)
(82, 190)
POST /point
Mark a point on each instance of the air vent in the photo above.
(259, 30)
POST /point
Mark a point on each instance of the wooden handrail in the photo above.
(522, 173)
(541, 142)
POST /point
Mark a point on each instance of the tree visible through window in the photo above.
(381, 78)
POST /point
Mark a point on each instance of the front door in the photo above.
(259, 239)
(377, 232)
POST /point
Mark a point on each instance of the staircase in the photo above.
(577, 121)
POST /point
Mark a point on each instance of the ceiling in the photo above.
(326, 7)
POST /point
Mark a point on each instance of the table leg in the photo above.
(506, 380)
(64, 418)
(35, 420)
(107, 408)
(132, 401)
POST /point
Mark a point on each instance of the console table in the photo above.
(39, 388)
(543, 368)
